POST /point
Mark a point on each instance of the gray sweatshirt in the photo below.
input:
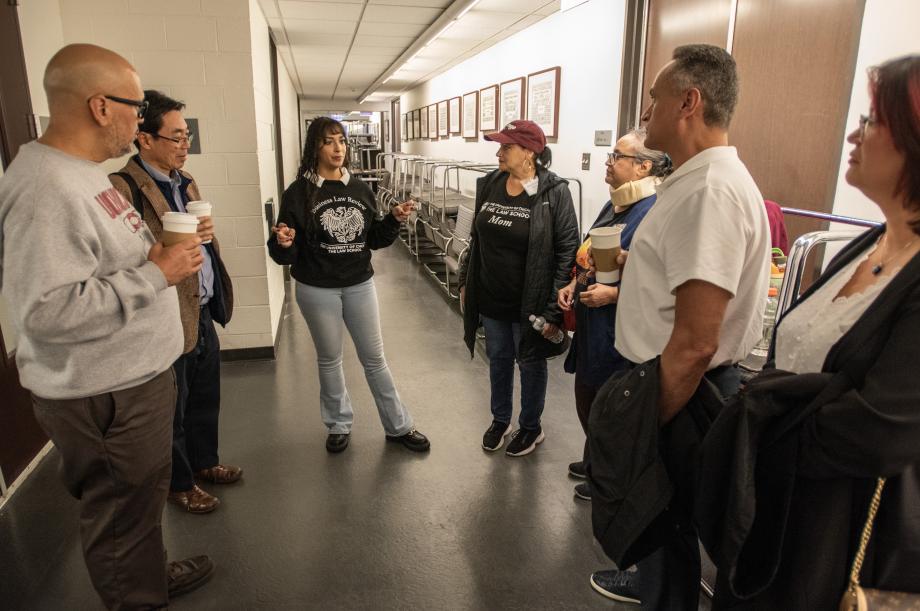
(92, 313)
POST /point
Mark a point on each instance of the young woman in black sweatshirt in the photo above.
(326, 229)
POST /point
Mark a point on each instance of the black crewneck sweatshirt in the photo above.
(336, 227)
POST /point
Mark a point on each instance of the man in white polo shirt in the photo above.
(697, 277)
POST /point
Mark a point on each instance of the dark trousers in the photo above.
(502, 341)
(197, 407)
(115, 460)
(584, 397)
(669, 578)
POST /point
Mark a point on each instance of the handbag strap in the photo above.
(866, 534)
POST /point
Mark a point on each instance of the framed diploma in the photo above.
(453, 116)
(511, 101)
(433, 121)
(416, 124)
(424, 123)
(404, 128)
(488, 109)
(543, 100)
(470, 115)
(442, 120)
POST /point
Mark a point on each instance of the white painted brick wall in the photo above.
(213, 55)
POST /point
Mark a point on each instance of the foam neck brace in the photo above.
(531, 185)
(633, 191)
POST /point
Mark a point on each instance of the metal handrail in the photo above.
(802, 247)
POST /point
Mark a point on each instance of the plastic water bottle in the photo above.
(539, 322)
(769, 320)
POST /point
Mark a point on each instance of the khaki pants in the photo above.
(115, 459)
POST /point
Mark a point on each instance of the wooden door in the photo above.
(21, 438)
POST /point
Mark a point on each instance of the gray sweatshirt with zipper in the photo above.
(92, 313)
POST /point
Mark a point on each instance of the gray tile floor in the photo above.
(376, 527)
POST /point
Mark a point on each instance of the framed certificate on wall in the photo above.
(511, 101)
(453, 116)
(470, 115)
(543, 100)
(416, 124)
(442, 119)
(488, 109)
(424, 122)
(404, 128)
(433, 121)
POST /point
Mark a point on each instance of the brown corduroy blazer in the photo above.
(155, 206)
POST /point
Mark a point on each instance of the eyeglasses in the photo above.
(616, 156)
(182, 141)
(141, 105)
(864, 120)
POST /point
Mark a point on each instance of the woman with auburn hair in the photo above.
(327, 227)
(844, 369)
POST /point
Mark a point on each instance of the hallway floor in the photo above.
(377, 527)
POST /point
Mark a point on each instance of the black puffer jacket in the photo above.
(550, 256)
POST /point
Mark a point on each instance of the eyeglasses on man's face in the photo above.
(185, 140)
(617, 155)
(141, 105)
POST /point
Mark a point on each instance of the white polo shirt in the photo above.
(709, 223)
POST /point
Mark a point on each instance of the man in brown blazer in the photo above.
(154, 181)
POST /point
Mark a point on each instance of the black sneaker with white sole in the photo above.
(617, 585)
(494, 438)
(577, 469)
(524, 441)
(583, 491)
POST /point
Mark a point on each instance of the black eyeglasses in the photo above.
(182, 141)
(141, 105)
(616, 156)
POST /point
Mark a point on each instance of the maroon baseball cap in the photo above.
(523, 133)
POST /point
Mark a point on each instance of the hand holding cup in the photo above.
(202, 210)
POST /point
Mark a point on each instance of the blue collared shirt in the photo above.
(206, 273)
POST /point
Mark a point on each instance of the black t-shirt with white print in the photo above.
(503, 226)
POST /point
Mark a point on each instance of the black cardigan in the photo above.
(865, 423)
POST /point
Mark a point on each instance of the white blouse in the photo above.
(807, 334)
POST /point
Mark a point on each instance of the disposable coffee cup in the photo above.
(199, 209)
(605, 248)
(178, 227)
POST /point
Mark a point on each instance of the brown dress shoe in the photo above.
(195, 500)
(220, 474)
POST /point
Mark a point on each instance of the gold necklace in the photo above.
(877, 269)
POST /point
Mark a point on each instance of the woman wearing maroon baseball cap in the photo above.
(522, 247)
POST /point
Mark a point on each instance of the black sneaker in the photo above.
(413, 440)
(494, 438)
(186, 575)
(577, 469)
(583, 491)
(524, 441)
(617, 585)
(336, 442)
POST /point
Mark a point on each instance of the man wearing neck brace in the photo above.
(633, 171)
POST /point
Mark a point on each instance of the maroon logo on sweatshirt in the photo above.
(112, 202)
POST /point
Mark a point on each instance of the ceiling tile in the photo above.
(391, 29)
(382, 42)
(401, 14)
(332, 11)
(442, 4)
(308, 39)
(319, 26)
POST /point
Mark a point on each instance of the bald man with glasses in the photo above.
(93, 298)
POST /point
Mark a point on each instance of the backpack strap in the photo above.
(135, 191)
